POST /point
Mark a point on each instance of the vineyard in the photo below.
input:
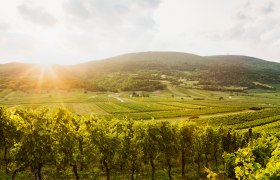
(77, 135)
(240, 119)
(58, 144)
(233, 111)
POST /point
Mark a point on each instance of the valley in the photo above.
(149, 115)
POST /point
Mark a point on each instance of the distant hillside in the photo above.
(245, 61)
(144, 61)
(241, 70)
(129, 71)
(172, 61)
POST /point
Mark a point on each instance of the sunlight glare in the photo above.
(44, 65)
(47, 75)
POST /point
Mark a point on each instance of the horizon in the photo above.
(88, 61)
(69, 32)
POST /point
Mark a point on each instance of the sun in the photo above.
(44, 65)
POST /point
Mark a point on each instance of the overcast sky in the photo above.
(74, 31)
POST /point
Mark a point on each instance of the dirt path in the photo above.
(116, 96)
(173, 90)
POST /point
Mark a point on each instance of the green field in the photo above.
(174, 104)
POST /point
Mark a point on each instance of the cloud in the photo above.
(109, 26)
(253, 21)
(113, 13)
(17, 46)
(36, 15)
(77, 8)
(268, 8)
(94, 29)
(4, 26)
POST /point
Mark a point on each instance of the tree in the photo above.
(168, 143)
(272, 169)
(198, 147)
(186, 138)
(211, 144)
(150, 143)
(67, 140)
(207, 143)
(34, 147)
(131, 151)
(216, 147)
(246, 166)
(105, 139)
(8, 135)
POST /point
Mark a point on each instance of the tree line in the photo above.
(43, 142)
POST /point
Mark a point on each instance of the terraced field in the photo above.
(148, 106)
(256, 123)
(85, 108)
(236, 119)
(111, 107)
(204, 107)
(273, 126)
(183, 105)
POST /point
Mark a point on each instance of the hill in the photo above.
(173, 61)
(146, 71)
(144, 61)
(229, 70)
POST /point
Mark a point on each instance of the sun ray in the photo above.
(23, 75)
(48, 78)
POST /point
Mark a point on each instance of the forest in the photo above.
(58, 144)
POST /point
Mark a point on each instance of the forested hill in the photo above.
(145, 61)
(174, 61)
(245, 61)
(118, 73)
(208, 70)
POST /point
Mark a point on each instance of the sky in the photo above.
(76, 31)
